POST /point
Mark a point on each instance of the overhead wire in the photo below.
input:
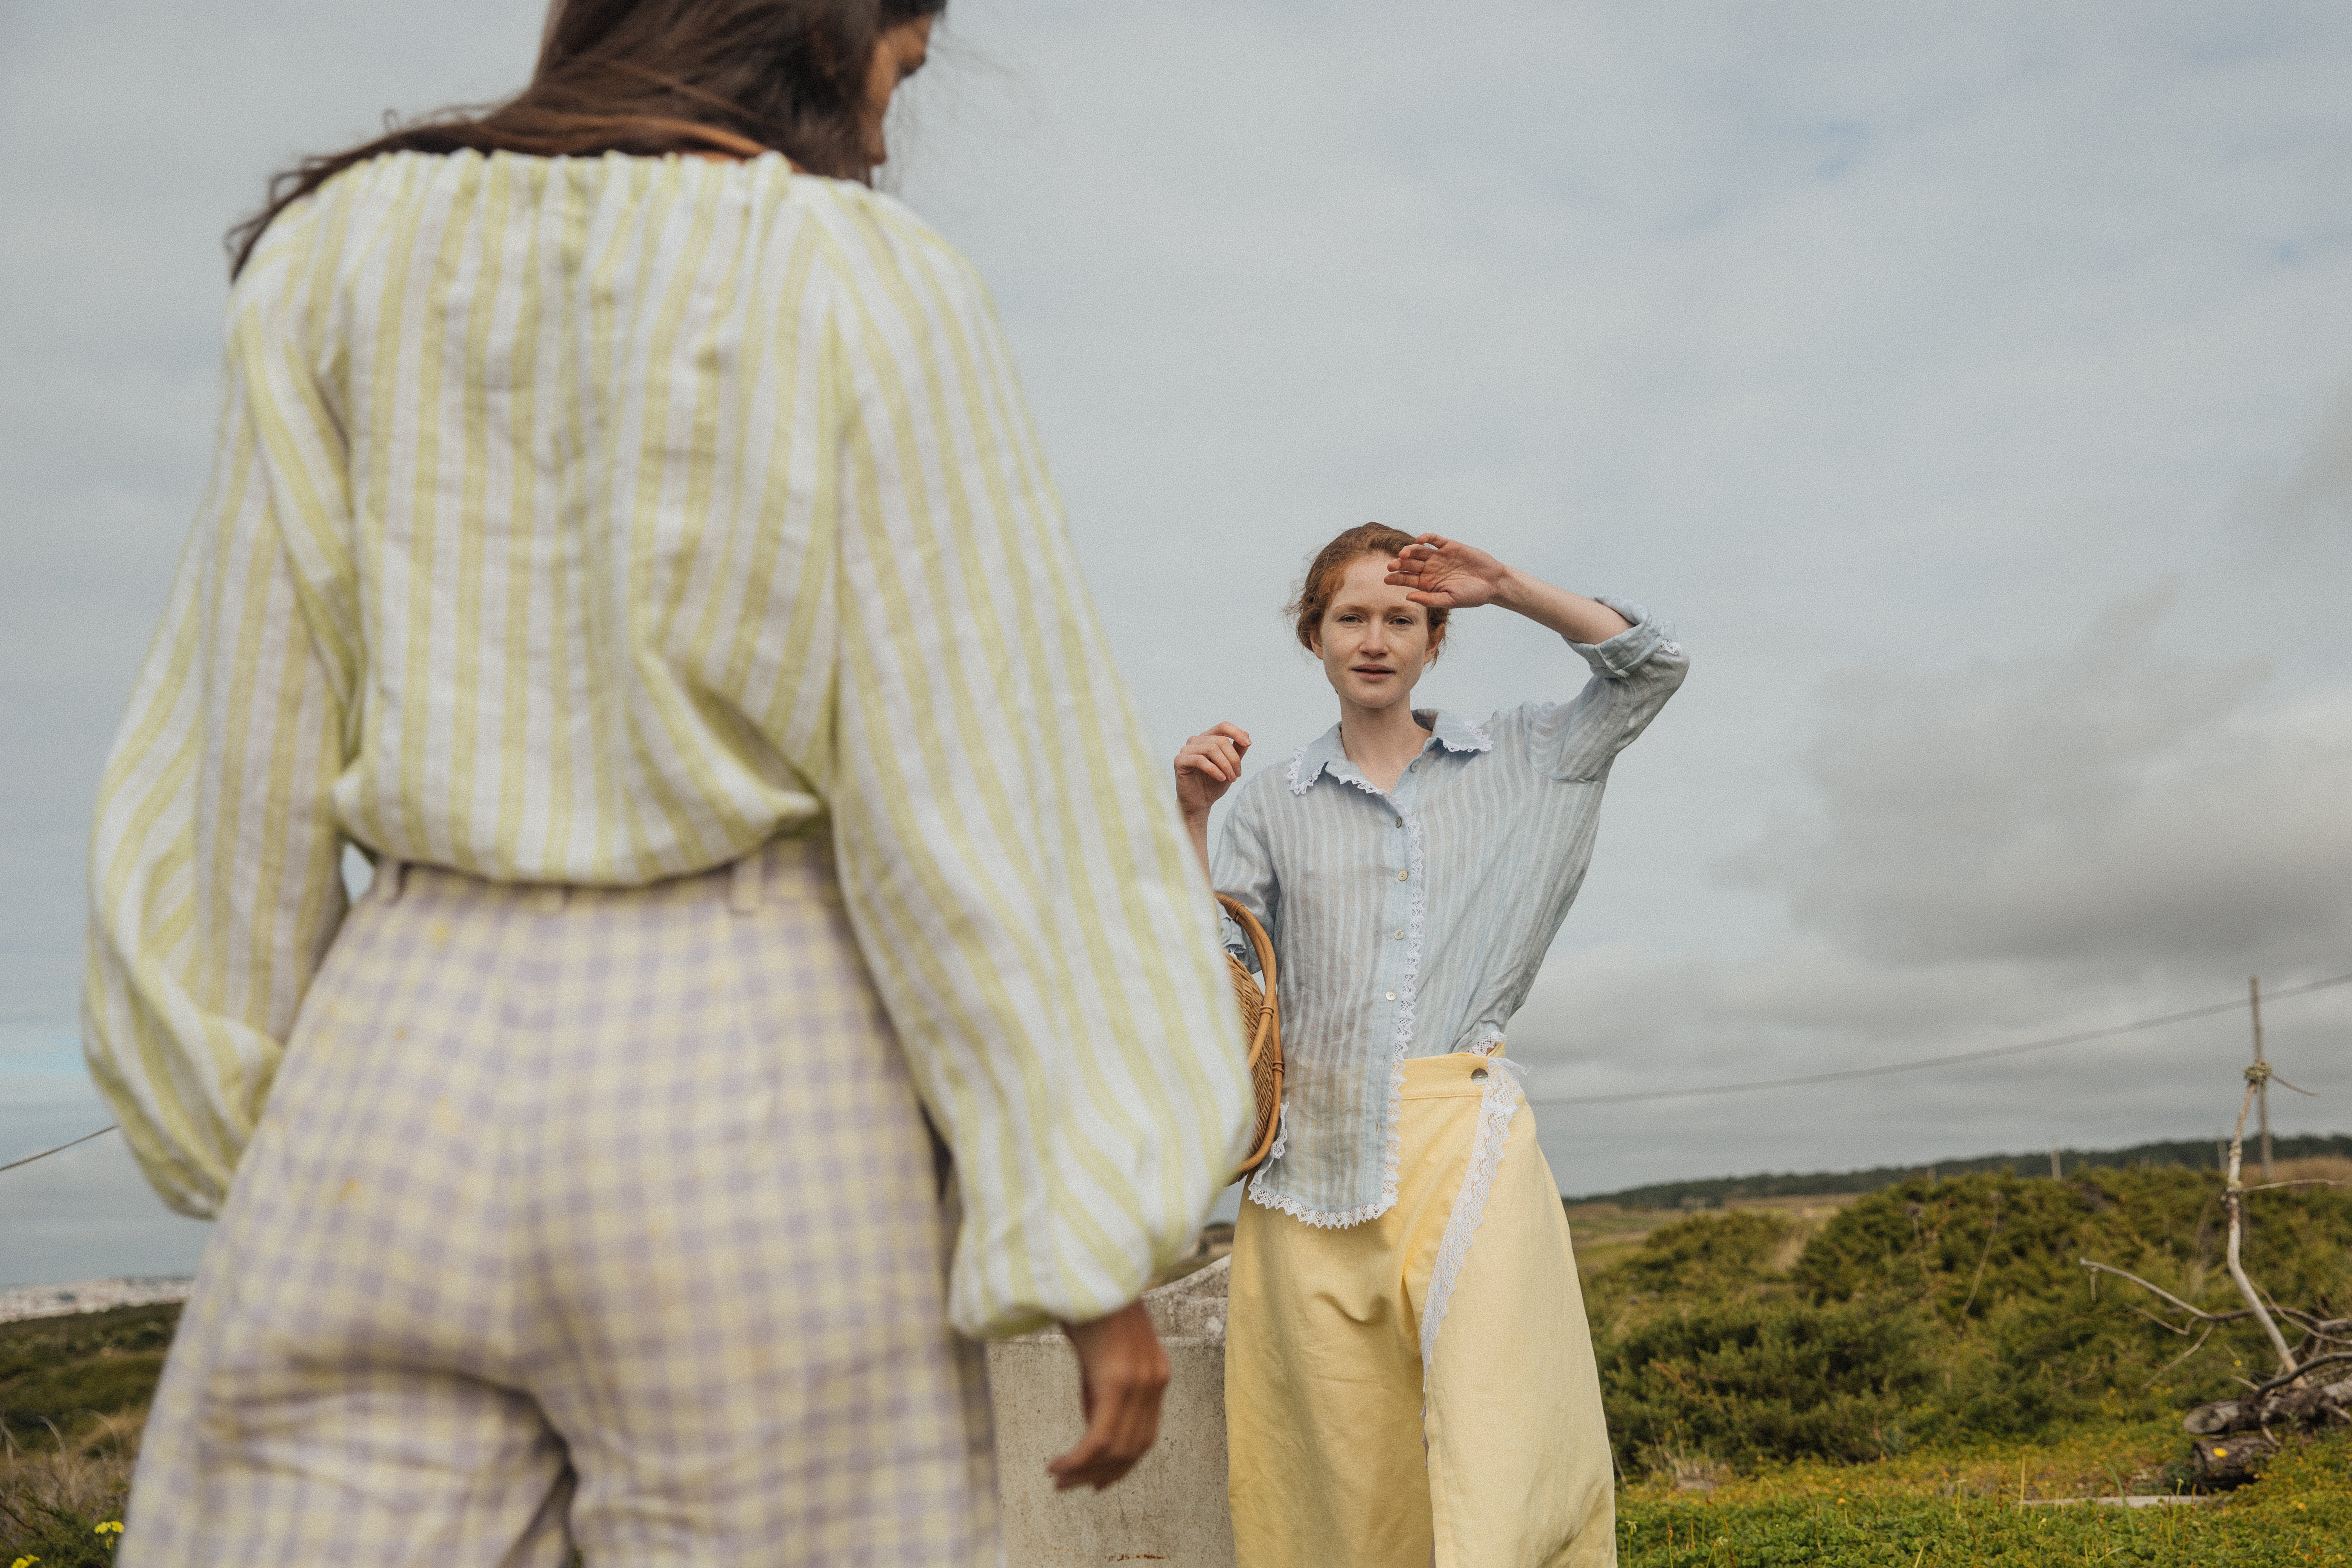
(1842, 1076)
(1887, 1069)
(59, 1149)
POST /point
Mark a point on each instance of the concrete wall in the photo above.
(1171, 1508)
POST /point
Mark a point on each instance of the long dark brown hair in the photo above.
(650, 77)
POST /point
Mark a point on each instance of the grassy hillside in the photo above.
(1714, 1191)
(1892, 1379)
(1899, 1380)
(1993, 1504)
(73, 1391)
(1935, 1311)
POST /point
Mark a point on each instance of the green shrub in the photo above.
(1710, 1254)
(1996, 1260)
(1943, 1310)
(58, 1374)
(64, 1397)
(1751, 1381)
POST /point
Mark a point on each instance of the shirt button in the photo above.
(1399, 936)
(1399, 822)
(1405, 876)
(1392, 996)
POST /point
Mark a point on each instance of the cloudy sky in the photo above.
(1971, 384)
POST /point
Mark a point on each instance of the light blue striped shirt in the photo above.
(1411, 922)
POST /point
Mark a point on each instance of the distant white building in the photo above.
(21, 1301)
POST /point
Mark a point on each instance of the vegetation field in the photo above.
(1961, 1506)
(1911, 1377)
(73, 1392)
(1915, 1376)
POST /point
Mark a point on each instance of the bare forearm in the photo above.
(1573, 615)
(1197, 829)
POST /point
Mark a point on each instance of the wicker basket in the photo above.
(1262, 1019)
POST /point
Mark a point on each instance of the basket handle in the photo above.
(1261, 944)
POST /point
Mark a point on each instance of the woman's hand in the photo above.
(1122, 1373)
(1207, 767)
(1447, 575)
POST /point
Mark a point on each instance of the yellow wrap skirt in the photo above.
(1419, 1388)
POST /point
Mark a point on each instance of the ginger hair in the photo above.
(1330, 566)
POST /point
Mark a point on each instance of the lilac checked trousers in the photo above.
(599, 1219)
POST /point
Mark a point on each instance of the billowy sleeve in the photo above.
(214, 874)
(1245, 873)
(1009, 843)
(1632, 674)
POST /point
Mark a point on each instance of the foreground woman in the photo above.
(637, 545)
(1409, 1377)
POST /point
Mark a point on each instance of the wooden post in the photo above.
(2055, 1172)
(2262, 1078)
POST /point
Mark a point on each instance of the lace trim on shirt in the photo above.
(1406, 990)
(1415, 919)
(1496, 1109)
(1297, 786)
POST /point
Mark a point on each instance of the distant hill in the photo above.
(2197, 1154)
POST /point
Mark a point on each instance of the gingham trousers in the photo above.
(603, 1219)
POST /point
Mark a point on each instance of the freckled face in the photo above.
(1374, 642)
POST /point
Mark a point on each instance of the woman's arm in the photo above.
(216, 881)
(1009, 848)
(1206, 767)
(1445, 574)
(1635, 666)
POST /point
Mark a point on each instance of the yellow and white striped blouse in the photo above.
(594, 521)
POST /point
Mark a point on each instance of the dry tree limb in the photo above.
(2285, 1378)
(2235, 1200)
(2266, 1406)
(2198, 1312)
(2159, 1323)
(2175, 1361)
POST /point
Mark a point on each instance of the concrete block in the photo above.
(1171, 1509)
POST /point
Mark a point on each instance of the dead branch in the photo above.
(2235, 1200)
(2285, 1378)
(2175, 1361)
(2159, 1323)
(1991, 1230)
(2197, 1312)
(2270, 1406)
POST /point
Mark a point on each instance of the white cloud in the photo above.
(1886, 349)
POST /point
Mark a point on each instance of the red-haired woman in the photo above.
(1409, 1377)
(627, 529)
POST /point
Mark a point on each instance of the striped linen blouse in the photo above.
(594, 521)
(1411, 922)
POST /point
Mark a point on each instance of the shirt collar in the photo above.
(1326, 752)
